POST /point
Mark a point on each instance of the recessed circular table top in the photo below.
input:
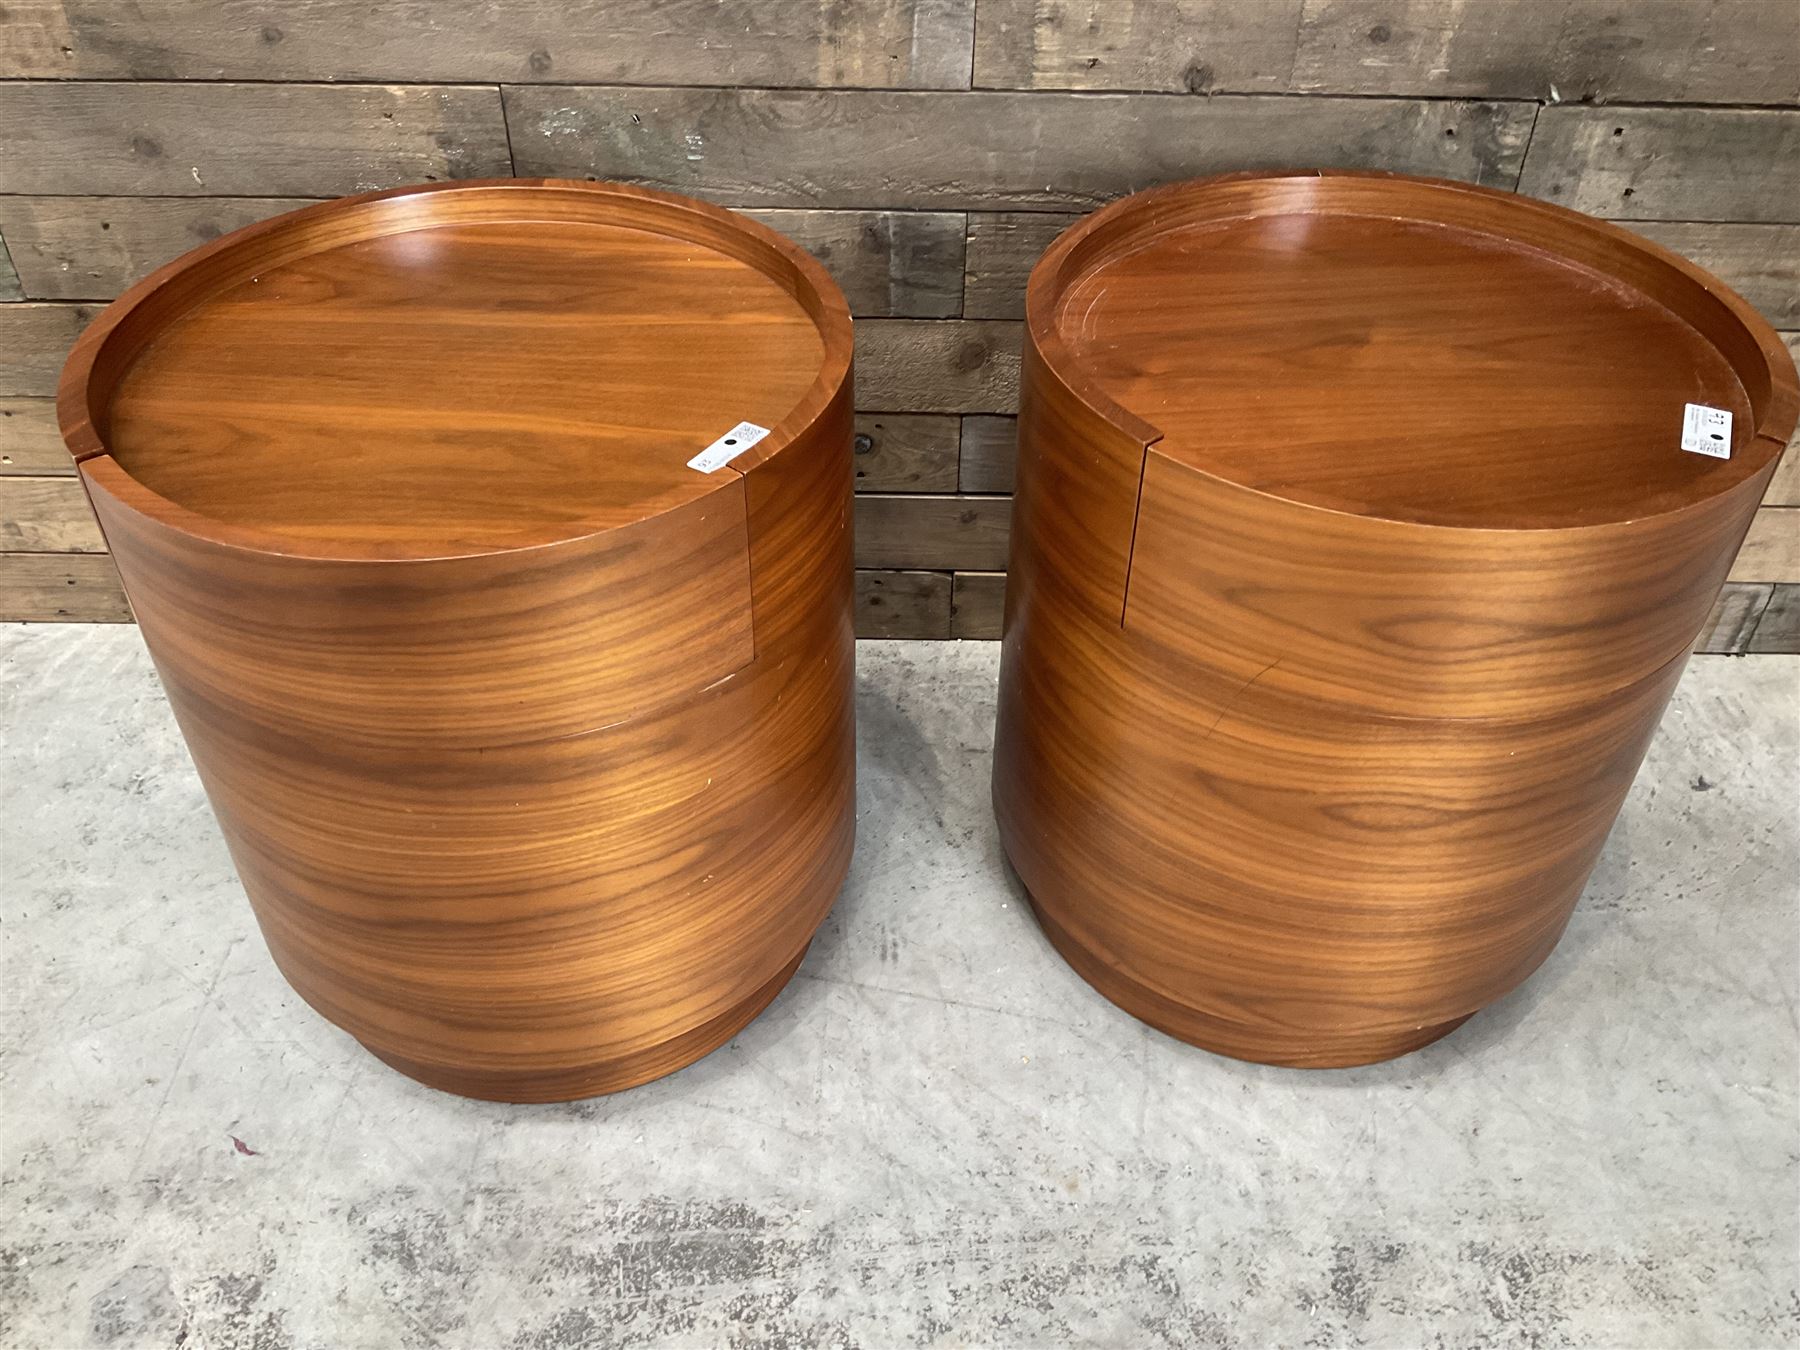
(1402, 356)
(462, 367)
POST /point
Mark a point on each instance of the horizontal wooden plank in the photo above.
(990, 449)
(30, 444)
(978, 603)
(902, 604)
(1003, 247)
(1246, 46)
(921, 44)
(1722, 51)
(1771, 550)
(61, 588)
(905, 263)
(1600, 51)
(944, 365)
(91, 248)
(961, 533)
(34, 339)
(1691, 163)
(1760, 262)
(906, 452)
(9, 276)
(1778, 629)
(259, 140)
(1733, 618)
(976, 151)
(1784, 487)
(47, 515)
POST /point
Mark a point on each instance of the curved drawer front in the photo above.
(1415, 620)
(490, 649)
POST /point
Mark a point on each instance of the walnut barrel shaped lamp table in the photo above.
(1363, 526)
(492, 541)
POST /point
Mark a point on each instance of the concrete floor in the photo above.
(936, 1136)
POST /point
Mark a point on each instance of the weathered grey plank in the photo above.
(1771, 550)
(1003, 248)
(260, 140)
(1784, 487)
(1668, 163)
(902, 604)
(975, 151)
(961, 533)
(905, 263)
(1733, 618)
(34, 339)
(30, 444)
(990, 450)
(978, 603)
(906, 452)
(1778, 629)
(91, 248)
(47, 515)
(9, 276)
(942, 365)
(61, 587)
(1760, 262)
(1676, 51)
(919, 44)
(1196, 46)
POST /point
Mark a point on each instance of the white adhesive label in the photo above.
(1706, 431)
(728, 447)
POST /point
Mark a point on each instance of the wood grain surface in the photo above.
(1732, 624)
(10, 289)
(1727, 51)
(30, 443)
(1667, 163)
(1339, 619)
(982, 150)
(901, 263)
(902, 604)
(1778, 627)
(1759, 262)
(978, 603)
(532, 744)
(203, 140)
(990, 452)
(907, 452)
(34, 339)
(63, 588)
(913, 531)
(953, 365)
(919, 44)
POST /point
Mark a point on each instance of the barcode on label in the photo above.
(728, 447)
(1706, 431)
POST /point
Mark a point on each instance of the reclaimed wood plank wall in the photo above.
(925, 150)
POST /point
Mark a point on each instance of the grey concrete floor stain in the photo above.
(936, 1136)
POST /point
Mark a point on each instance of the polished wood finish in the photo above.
(1354, 556)
(533, 746)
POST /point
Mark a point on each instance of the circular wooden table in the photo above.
(517, 670)
(1354, 556)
